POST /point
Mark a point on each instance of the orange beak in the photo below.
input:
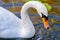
(46, 24)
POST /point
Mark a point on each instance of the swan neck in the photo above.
(33, 4)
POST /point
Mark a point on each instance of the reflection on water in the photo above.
(41, 33)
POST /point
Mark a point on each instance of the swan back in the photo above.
(10, 25)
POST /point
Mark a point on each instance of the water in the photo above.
(41, 33)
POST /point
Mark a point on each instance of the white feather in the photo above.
(13, 27)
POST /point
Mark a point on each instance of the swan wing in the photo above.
(10, 25)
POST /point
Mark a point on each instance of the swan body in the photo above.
(13, 27)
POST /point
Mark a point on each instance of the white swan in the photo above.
(13, 27)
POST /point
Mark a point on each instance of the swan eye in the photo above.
(45, 20)
(43, 16)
